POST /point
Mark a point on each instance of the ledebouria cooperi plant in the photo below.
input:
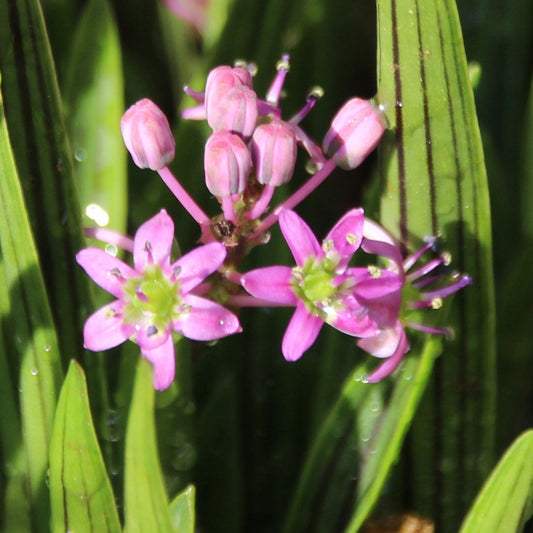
(250, 153)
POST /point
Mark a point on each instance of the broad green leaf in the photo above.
(434, 183)
(30, 338)
(505, 502)
(44, 161)
(94, 105)
(146, 503)
(80, 492)
(182, 511)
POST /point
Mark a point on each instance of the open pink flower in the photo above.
(321, 285)
(155, 297)
(391, 311)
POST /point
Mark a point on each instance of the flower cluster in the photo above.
(251, 151)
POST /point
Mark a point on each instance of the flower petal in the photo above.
(104, 329)
(148, 337)
(163, 362)
(392, 363)
(199, 263)
(301, 333)
(347, 235)
(105, 270)
(271, 284)
(206, 320)
(356, 322)
(153, 241)
(301, 240)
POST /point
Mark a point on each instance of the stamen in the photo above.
(413, 258)
(374, 271)
(351, 238)
(274, 92)
(462, 282)
(312, 98)
(422, 271)
(447, 332)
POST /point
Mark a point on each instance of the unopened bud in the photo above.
(147, 135)
(274, 152)
(234, 110)
(227, 163)
(354, 133)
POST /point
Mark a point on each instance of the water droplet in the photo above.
(98, 214)
(221, 322)
(80, 155)
(310, 167)
(34, 371)
(111, 249)
(399, 104)
(47, 348)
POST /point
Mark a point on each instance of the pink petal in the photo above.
(347, 235)
(206, 320)
(149, 338)
(104, 329)
(195, 266)
(105, 270)
(385, 343)
(392, 363)
(271, 284)
(153, 241)
(302, 331)
(164, 363)
(356, 322)
(301, 240)
(384, 249)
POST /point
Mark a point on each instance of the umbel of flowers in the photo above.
(251, 151)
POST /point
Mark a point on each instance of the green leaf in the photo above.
(434, 183)
(182, 511)
(94, 105)
(80, 491)
(44, 161)
(146, 504)
(505, 502)
(28, 327)
(363, 435)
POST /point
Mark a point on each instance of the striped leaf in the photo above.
(434, 183)
(31, 350)
(146, 504)
(80, 492)
(506, 501)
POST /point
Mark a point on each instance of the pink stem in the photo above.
(111, 237)
(183, 196)
(307, 188)
(261, 205)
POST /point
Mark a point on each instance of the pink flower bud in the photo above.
(274, 152)
(147, 135)
(227, 163)
(354, 133)
(234, 110)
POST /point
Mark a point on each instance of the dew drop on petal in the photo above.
(34, 371)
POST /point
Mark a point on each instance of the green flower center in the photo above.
(313, 284)
(151, 300)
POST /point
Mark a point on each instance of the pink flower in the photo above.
(391, 312)
(155, 297)
(321, 285)
(147, 135)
